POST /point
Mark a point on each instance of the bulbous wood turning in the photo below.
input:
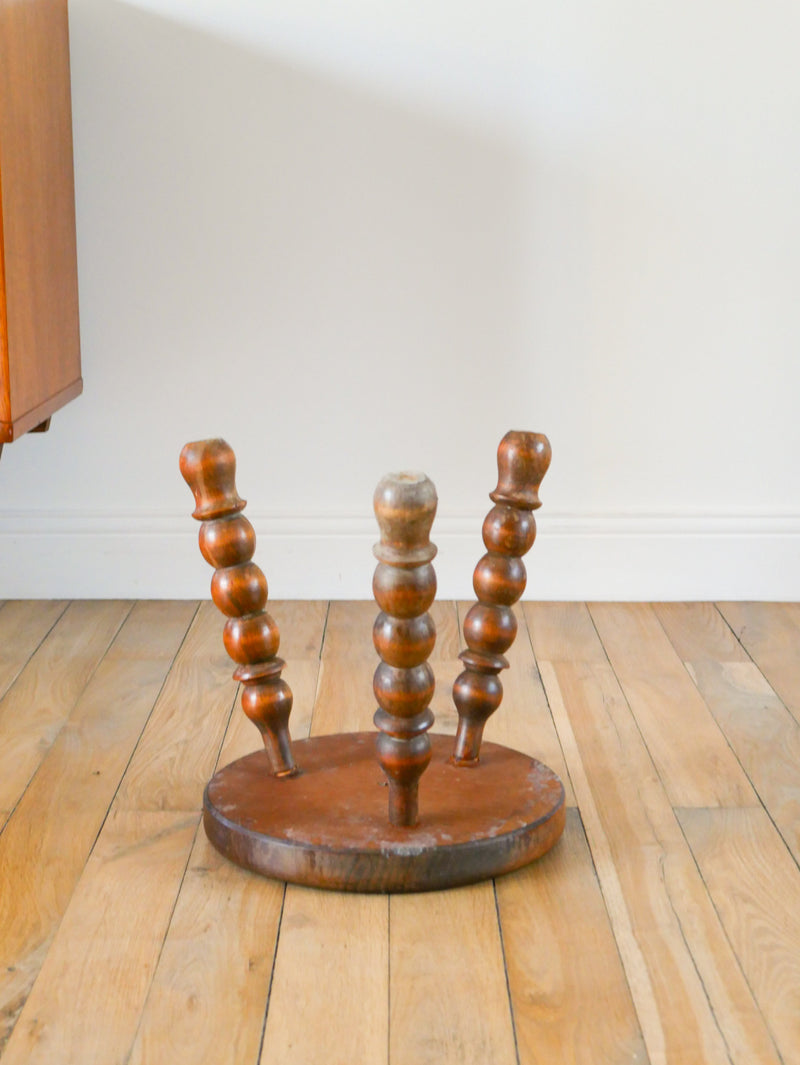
(499, 580)
(404, 635)
(239, 589)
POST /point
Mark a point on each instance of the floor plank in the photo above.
(647, 935)
(42, 697)
(345, 702)
(86, 1002)
(448, 632)
(302, 626)
(693, 757)
(348, 634)
(756, 888)
(770, 632)
(188, 723)
(180, 745)
(698, 630)
(692, 1001)
(571, 1000)
(440, 943)
(450, 939)
(523, 720)
(761, 731)
(46, 844)
(209, 994)
(23, 626)
(332, 952)
(563, 632)
(332, 962)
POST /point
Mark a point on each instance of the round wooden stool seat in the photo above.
(326, 827)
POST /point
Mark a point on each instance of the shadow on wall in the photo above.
(263, 248)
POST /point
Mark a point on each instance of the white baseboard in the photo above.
(624, 557)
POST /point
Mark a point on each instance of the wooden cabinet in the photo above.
(40, 367)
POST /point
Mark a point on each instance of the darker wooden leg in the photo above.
(404, 635)
(499, 580)
(239, 589)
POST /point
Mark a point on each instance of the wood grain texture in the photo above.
(755, 885)
(302, 627)
(693, 757)
(305, 623)
(490, 625)
(571, 1000)
(563, 632)
(524, 721)
(341, 939)
(42, 697)
(445, 616)
(46, 844)
(646, 935)
(762, 733)
(23, 626)
(693, 1004)
(138, 935)
(328, 826)
(458, 1030)
(179, 747)
(348, 633)
(209, 993)
(86, 1002)
(344, 700)
(770, 633)
(39, 334)
(442, 702)
(441, 943)
(251, 636)
(242, 737)
(218, 953)
(404, 634)
(698, 630)
(332, 962)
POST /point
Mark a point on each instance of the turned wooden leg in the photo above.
(239, 589)
(404, 635)
(499, 580)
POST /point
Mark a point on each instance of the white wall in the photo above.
(351, 237)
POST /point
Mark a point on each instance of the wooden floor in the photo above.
(664, 927)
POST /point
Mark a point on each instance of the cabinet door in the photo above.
(39, 341)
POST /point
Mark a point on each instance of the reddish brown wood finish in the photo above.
(322, 821)
(327, 826)
(499, 580)
(239, 589)
(40, 368)
(404, 635)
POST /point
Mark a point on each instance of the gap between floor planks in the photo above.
(677, 969)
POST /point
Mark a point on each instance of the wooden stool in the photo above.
(315, 812)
